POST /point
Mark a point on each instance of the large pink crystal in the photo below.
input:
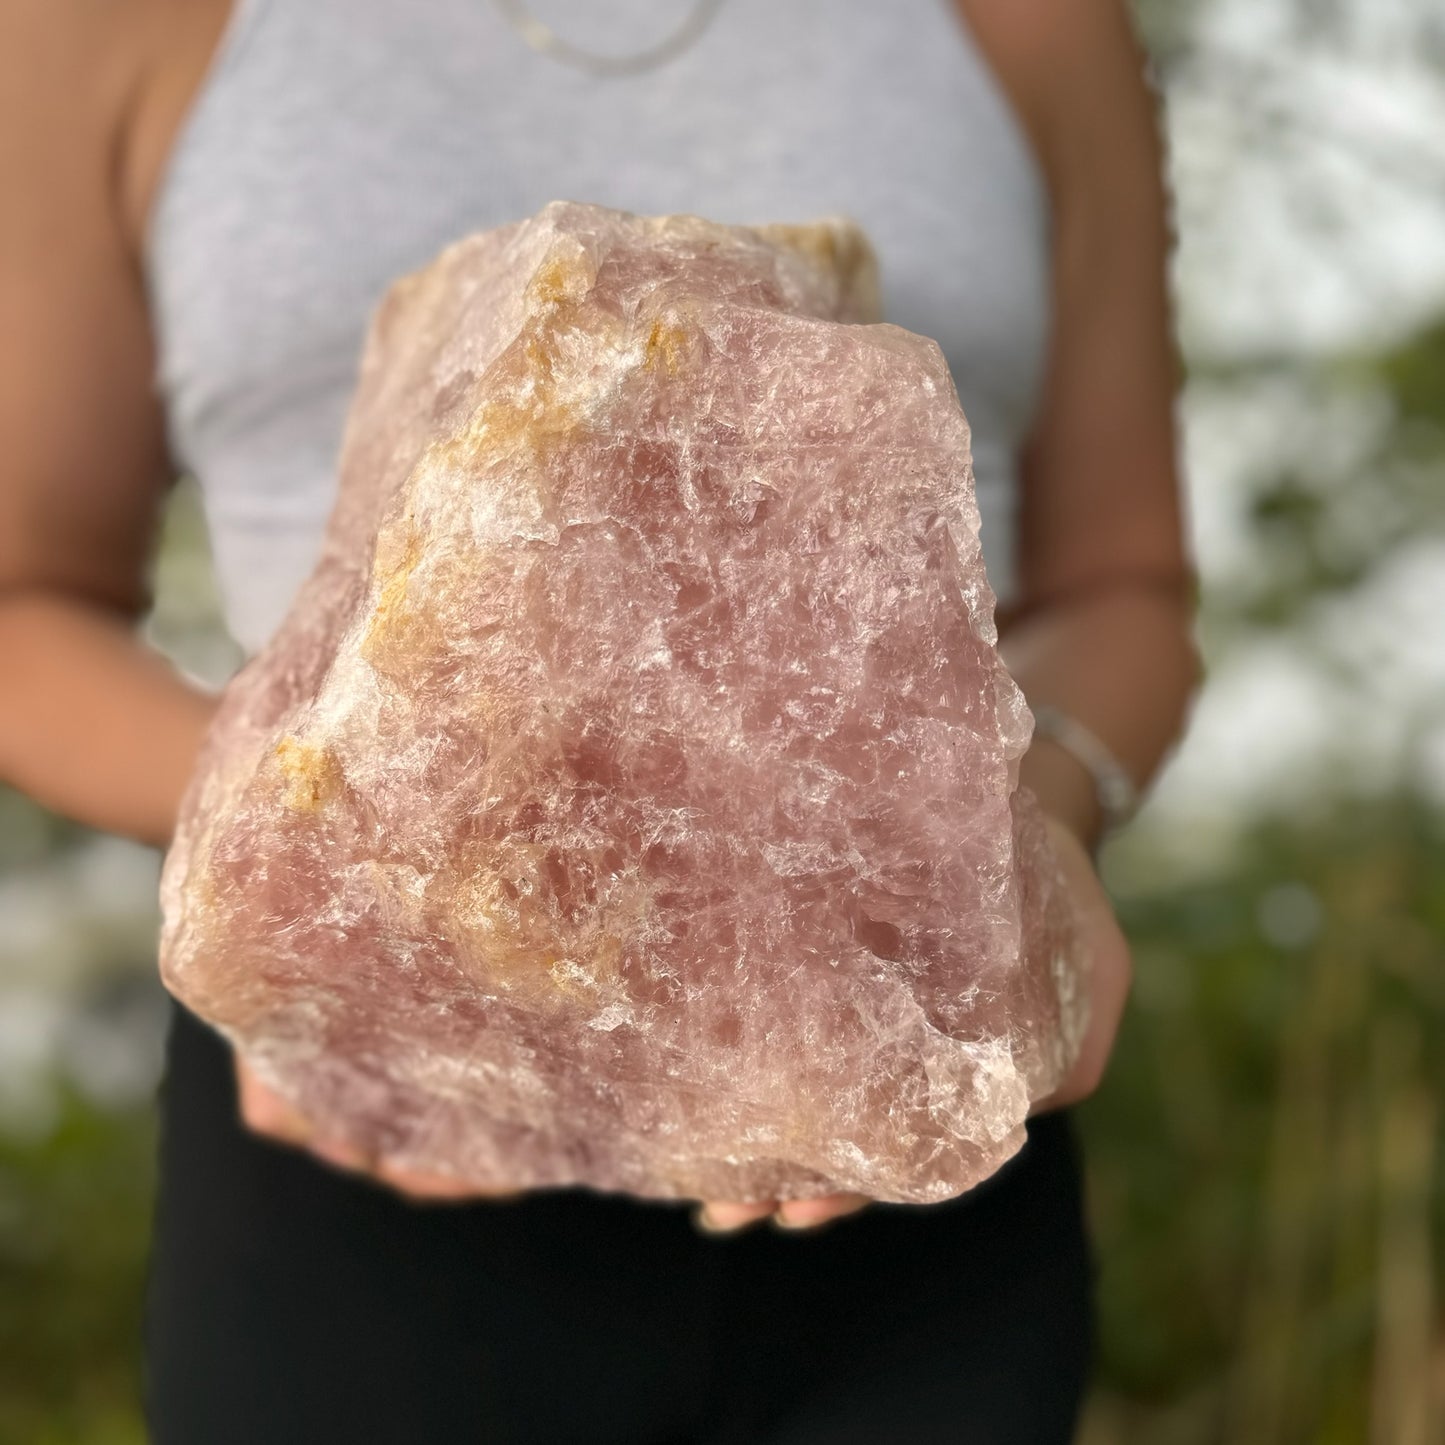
(630, 795)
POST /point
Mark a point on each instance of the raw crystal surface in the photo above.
(629, 797)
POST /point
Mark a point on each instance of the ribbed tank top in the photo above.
(336, 144)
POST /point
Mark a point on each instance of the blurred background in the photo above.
(1267, 1156)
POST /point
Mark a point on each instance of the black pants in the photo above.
(290, 1305)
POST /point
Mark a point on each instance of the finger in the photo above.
(810, 1213)
(265, 1112)
(725, 1216)
(340, 1154)
(1109, 984)
(421, 1185)
(1110, 971)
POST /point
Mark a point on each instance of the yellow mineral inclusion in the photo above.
(518, 943)
(532, 410)
(601, 970)
(393, 590)
(312, 774)
(666, 346)
(839, 249)
(819, 243)
(398, 553)
(506, 425)
(561, 277)
(530, 415)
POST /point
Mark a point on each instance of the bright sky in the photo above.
(1311, 178)
(1310, 182)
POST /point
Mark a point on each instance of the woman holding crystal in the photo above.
(203, 203)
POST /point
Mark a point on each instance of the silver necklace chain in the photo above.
(545, 41)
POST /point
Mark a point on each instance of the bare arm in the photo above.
(1102, 626)
(92, 723)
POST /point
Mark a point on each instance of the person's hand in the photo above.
(723, 1217)
(265, 1112)
(1110, 974)
(1111, 969)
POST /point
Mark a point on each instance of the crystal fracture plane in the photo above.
(630, 795)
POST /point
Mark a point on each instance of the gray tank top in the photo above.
(339, 143)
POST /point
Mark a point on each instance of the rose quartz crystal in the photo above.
(629, 798)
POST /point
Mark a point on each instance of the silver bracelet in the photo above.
(1114, 789)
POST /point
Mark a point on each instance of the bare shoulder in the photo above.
(62, 84)
(98, 88)
(86, 87)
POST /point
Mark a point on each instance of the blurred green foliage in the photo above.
(74, 1219)
(1266, 1161)
(1326, 526)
